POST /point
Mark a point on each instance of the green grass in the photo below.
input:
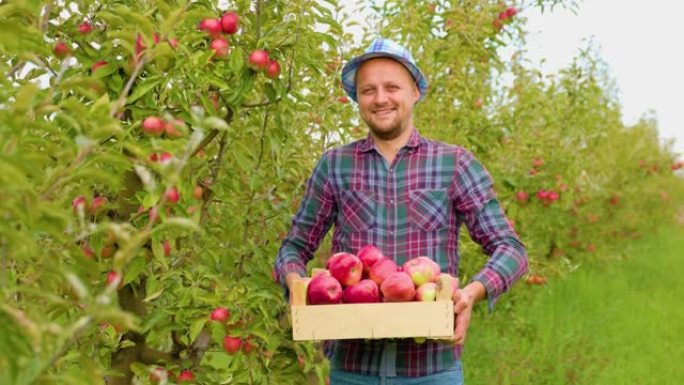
(616, 323)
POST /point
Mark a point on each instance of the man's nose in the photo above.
(380, 97)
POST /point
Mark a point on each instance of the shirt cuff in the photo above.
(493, 283)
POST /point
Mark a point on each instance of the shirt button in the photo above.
(391, 170)
(391, 232)
(391, 201)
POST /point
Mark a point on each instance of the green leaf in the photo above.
(134, 268)
(144, 87)
(196, 328)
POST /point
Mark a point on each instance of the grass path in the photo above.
(616, 324)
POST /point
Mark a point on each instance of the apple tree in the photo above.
(152, 155)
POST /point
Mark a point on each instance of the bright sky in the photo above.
(639, 40)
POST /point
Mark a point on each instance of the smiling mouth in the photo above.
(383, 112)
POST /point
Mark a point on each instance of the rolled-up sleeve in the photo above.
(488, 226)
(314, 218)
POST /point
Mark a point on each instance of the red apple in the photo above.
(171, 128)
(346, 268)
(366, 291)
(553, 196)
(382, 269)
(426, 292)
(343, 99)
(537, 162)
(85, 28)
(211, 26)
(421, 270)
(230, 22)
(61, 50)
(273, 69)
(398, 287)
(219, 314)
(107, 252)
(166, 245)
(165, 157)
(258, 60)
(153, 125)
(231, 344)
(220, 47)
(197, 193)
(542, 194)
(522, 196)
(139, 45)
(97, 65)
(324, 289)
(113, 278)
(186, 376)
(368, 255)
(88, 251)
(97, 203)
(79, 202)
(535, 280)
(511, 11)
(247, 346)
(173, 42)
(172, 195)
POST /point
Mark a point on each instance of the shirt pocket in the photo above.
(428, 209)
(358, 210)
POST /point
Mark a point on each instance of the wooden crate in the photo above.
(371, 320)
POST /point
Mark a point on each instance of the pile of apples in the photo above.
(369, 277)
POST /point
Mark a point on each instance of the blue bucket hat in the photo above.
(382, 48)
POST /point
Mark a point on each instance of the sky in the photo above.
(639, 40)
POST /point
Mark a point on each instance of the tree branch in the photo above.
(258, 20)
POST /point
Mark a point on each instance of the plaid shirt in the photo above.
(412, 207)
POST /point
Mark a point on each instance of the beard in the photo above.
(386, 131)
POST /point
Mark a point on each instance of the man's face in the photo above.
(386, 93)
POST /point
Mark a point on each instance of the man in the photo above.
(408, 196)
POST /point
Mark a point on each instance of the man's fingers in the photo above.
(460, 328)
(456, 296)
(459, 307)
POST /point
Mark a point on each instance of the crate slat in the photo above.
(373, 320)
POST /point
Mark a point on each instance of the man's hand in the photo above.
(464, 300)
(289, 278)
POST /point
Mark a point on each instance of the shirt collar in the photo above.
(413, 142)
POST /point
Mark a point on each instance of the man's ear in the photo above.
(416, 94)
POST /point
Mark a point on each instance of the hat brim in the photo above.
(351, 67)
